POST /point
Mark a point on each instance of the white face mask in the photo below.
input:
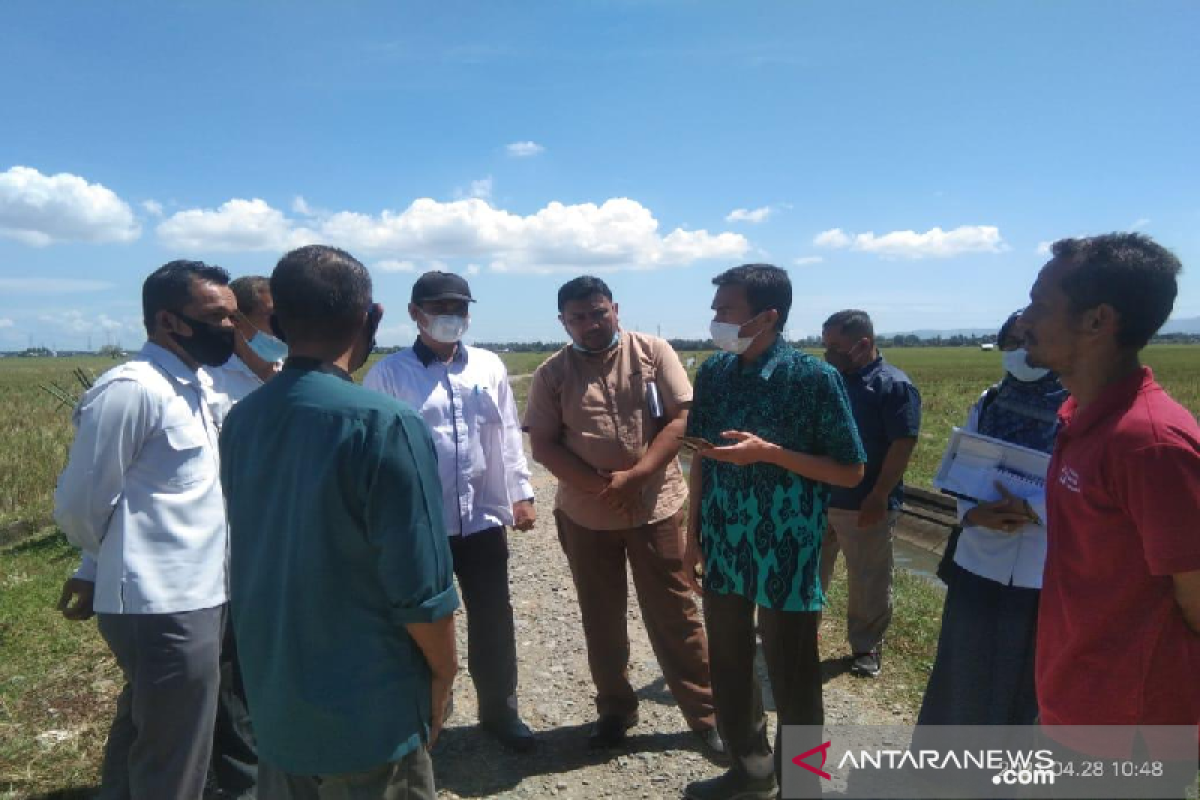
(445, 328)
(725, 336)
(1016, 365)
(267, 347)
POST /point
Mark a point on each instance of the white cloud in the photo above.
(1043, 248)
(806, 260)
(153, 208)
(51, 285)
(481, 189)
(300, 206)
(832, 238)
(76, 322)
(237, 225)
(6, 322)
(472, 269)
(524, 149)
(745, 215)
(1140, 223)
(394, 265)
(40, 210)
(617, 234)
(934, 243)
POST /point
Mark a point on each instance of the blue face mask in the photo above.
(267, 347)
(616, 338)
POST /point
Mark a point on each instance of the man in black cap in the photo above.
(463, 395)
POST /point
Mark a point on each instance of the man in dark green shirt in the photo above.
(784, 432)
(340, 572)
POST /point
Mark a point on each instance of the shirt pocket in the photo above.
(483, 407)
(184, 460)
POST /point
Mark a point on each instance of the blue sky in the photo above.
(907, 158)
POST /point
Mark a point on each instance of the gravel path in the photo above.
(660, 755)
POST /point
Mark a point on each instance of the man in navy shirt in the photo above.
(887, 409)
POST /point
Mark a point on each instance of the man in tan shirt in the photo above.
(605, 415)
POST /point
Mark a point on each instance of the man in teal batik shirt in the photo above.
(784, 432)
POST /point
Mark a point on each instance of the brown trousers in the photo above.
(655, 555)
(789, 646)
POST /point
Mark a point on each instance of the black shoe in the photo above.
(867, 665)
(609, 731)
(511, 732)
(712, 746)
(733, 785)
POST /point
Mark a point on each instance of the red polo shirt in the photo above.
(1123, 515)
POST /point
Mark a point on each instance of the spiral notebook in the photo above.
(974, 463)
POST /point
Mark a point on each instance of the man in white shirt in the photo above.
(463, 395)
(141, 495)
(258, 354)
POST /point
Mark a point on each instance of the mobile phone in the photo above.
(695, 443)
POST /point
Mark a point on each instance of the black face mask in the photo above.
(210, 345)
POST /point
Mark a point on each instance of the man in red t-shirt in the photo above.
(1119, 622)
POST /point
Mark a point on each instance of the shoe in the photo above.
(712, 745)
(867, 665)
(733, 785)
(511, 732)
(609, 731)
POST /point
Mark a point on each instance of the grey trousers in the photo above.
(869, 567)
(410, 778)
(160, 742)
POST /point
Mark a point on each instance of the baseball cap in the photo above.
(440, 286)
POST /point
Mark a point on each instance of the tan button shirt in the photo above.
(599, 407)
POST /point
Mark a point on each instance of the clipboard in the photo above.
(974, 463)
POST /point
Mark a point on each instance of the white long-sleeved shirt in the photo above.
(141, 493)
(470, 410)
(1017, 558)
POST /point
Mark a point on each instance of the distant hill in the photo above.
(1186, 325)
(1182, 325)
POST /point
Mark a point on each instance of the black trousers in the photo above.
(481, 565)
(789, 640)
(234, 766)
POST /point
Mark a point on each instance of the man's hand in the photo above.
(443, 693)
(82, 593)
(524, 515)
(749, 449)
(1008, 514)
(624, 491)
(873, 510)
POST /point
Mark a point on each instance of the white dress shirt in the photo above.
(1017, 558)
(141, 493)
(230, 383)
(470, 410)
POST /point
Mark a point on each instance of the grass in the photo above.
(57, 678)
(58, 681)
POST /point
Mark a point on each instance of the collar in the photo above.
(868, 370)
(306, 364)
(169, 362)
(1115, 397)
(426, 355)
(764, 366)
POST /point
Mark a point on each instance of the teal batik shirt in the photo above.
(761, 526)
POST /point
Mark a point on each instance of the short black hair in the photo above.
(319, 292)
(1130, 272)
(1007, 328)
(852, 322)
(581, 288)
(767, 286)
(169, 288)
(248, 290)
